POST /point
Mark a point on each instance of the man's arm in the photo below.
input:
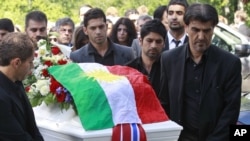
(232, 96)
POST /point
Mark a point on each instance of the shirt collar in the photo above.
(170, 37)
(92, 49)
(188, 53)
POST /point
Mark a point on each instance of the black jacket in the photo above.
(17, 122)
(220, 94)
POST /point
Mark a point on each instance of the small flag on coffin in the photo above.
(128, 132)
(106, 96)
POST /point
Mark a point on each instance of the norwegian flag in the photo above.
(129, 132)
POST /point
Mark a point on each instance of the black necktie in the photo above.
(176, 42)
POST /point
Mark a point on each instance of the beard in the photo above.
(176, 28)
(153, 54)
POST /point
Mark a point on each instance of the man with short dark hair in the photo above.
(201, 83)
(151, 41)
(100, 49)
(36, 25)
(6, 26)
(176, 34)
(16, 62)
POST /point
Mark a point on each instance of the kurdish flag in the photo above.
(106, 96)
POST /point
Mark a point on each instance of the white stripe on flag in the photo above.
(121, 136)
(120, 95)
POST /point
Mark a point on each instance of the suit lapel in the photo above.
(210, 70)
(87, 57)
(166, 43)
(179, 72)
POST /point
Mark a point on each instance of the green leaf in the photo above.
(49, 99)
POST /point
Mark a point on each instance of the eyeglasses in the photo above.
(53, 39)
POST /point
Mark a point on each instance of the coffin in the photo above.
(61, 125)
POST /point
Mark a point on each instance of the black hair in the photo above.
(38, 16)
(155, 26)
(7, 24)
(201, 12)
(131, 30)
(159, 11)
(179, 2)
(93, 13)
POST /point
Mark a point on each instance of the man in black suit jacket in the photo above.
(17, 122)
(201, 83)
(152, 38)
(176, 32)
(100, 49)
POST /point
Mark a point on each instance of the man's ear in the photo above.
(85, 30)
(140, 41)
(16, 62)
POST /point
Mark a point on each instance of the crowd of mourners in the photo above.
(197, 84)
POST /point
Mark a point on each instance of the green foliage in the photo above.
(29, 80)
(245, 104)
(247, 8)
(55, 9)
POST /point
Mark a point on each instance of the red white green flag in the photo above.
(106, 96)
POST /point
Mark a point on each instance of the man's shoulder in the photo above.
(80, 50)
(78, 54)
(133, 62)
(220, 54)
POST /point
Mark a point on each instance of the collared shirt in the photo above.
(172, 43)
(192, 92)
(107, 59)
(153, 76)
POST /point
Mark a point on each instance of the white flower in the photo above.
(38, 71)
(44, 90)
(43, 86)
(36, 62)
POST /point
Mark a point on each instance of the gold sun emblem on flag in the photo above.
(102, 75)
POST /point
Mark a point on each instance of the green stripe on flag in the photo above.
(91, 102)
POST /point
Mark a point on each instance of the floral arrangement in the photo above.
(42, 87)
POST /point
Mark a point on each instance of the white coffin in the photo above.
(57, 125)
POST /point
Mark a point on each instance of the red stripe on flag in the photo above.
(143, 136)
(148, 105)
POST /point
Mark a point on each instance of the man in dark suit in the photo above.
(17, 122)
(152, 38)
(176, 35)
(100, 49)
(201, 83)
